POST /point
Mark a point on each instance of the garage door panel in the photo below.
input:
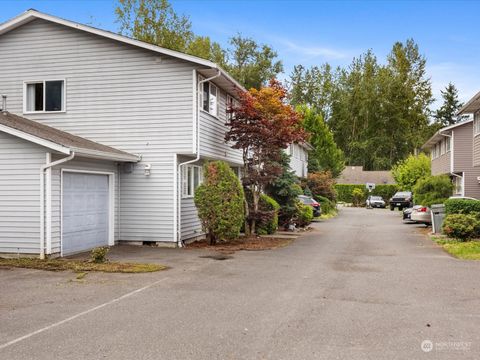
(85, 211)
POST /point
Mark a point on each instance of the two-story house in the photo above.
(102, 137)
(299, 158)
(451, 151)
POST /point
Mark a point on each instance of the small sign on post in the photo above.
(370, 186)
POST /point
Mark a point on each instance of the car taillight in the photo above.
(423, 209)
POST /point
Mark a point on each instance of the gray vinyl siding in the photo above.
(212, 134)
(463, 159)
(78, 164)
(463, 147)
(476, 150)
(441, 164)
(20, 163)
(118, 95)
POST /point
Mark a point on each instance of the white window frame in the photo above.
(231, 101)
(476, 124)
(64, 96)
(217, 97)
(448, 144)
(442, 147)
(186, 169)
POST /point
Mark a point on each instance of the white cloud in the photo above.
(466, 78)
(314, 51)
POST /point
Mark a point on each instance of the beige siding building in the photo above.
(451, 151)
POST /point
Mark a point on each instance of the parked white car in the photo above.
(423, 215)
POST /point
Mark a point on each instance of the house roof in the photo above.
(471, 106)
(226, 81)
(59, 140)
(356, 175)
(438, 135)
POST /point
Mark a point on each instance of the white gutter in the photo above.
(48, 165)
(179, 167)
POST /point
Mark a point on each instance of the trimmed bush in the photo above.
(461, 226)
(220, 202)
(304, 214)
(432, 190)
(344, 191)
(462, 206)
(358, 197)
(269, 220)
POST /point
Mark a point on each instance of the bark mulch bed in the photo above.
(243, 243)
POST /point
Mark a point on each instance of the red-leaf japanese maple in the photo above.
(262, 124)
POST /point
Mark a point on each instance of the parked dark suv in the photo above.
(401, 199)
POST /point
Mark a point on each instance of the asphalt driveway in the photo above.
(360, 286)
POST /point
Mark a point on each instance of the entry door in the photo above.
(85, 211)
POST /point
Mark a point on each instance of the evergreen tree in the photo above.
(326, 155)
(447, 113)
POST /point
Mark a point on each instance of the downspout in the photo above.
(48, 165)
(179, 167)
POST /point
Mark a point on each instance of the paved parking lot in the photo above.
(360, 286)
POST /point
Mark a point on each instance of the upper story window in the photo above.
(192, 177)
(231, 102)
(44, 96)
(476, 124)
(442, 147)
(209, 98)
(448, 142)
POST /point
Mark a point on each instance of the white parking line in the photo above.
(24, 337)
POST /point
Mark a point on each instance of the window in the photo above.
(209, 98)
(192, 177)
(231, 102)
(459, 185)
(44, 96)
(442, 147)
(447, 144)
(476, 124)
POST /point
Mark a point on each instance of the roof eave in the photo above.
(103, 155)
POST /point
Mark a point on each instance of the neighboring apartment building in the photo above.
(451, 151)
(152, 116)
(299, 158)
(356, 175)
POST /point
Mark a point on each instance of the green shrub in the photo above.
(220, 202)
(268, 223)
(432, 190)
(344, 191)
(358, 197)
(461, 226)
(304, 215)
(98, 255)
(328, 206)
(462, 206)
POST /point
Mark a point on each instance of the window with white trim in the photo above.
(476, 124)
(448, 142)
(231, 102)
(44, 96)
(192, 177)
(209, 98)
(458, 185)
(442, 147)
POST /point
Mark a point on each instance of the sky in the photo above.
(314, 32)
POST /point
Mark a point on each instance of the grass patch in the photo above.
(327, 216)
(80, 266)
(467, 250)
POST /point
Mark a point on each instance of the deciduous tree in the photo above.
(262, 126)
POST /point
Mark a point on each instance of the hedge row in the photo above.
(462, 206)
(344, 191)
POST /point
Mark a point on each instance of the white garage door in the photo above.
(85, 211)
